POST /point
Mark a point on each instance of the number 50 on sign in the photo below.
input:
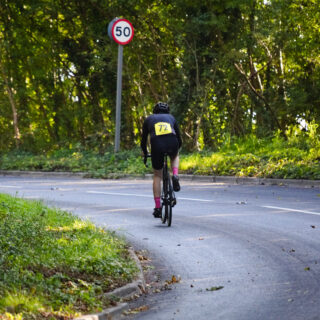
(122, 31)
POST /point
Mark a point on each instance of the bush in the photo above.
(296, 157)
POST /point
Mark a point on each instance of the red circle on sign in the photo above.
(122, 31)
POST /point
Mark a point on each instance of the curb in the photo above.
(108, 314)
(302, 183)
(253, 181)
(43, 173)
(126, 292)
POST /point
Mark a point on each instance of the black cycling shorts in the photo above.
(161, 145)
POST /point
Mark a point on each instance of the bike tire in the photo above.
(164, 213)
(169, 202)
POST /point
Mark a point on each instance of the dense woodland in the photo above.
(227, 68)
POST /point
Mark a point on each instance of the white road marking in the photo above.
(14, 187)
(221, 215)
(293, 210)
(141, 195)
(194, 199)
(120, 194)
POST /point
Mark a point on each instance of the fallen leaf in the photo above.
(137, 310)
(142, 257)
(313, 227)
(173, 279)
(201, 238)
(215, 288)
(307, 269)
(143, 308)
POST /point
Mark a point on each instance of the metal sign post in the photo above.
(118, 103)
(121, 31)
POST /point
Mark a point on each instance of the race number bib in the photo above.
(162, 128)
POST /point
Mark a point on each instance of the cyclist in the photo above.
(164, 138)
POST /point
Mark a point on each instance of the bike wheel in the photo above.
(164, 211)
(164, 214)
(169, 209)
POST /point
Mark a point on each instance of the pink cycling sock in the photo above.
(157, 202)
(175, 171)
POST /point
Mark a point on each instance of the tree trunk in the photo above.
(17, 135)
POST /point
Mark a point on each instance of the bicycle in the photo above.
(168, 198)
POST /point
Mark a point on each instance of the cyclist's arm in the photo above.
(144, 138)
(176, 129)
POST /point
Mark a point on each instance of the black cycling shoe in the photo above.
(175, 183)
(157, 212)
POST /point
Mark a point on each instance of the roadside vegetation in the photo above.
(296, 157)
(54, 265)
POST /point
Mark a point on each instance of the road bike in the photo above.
(168, 198)
(167, 194)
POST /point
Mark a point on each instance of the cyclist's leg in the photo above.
(175, 164)
(157, 164)
(174, 157)
(157, 177)
(175, 172)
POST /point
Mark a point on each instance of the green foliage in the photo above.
(77, 160)
(53, 264)
(295, 157)
(226, 67)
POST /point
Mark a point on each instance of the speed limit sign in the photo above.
(122, 31)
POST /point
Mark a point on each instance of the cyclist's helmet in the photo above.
(161, 107)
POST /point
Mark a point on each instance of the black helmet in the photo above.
(161, 107)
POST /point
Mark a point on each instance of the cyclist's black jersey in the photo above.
(159, 126)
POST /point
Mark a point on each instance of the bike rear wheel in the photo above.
(164, 197)
(170, 202)
(167, 201)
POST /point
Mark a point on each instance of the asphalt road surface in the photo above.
(241, 252)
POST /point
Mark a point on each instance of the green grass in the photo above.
(96, 165)
(54, 265)
(296, 157)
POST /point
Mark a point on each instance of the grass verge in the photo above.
(54, 265)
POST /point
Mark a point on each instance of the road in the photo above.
(259, 245)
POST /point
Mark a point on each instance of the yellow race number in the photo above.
(162, 128)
